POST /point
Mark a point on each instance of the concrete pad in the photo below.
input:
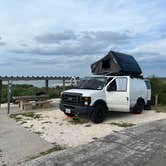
(17, 144)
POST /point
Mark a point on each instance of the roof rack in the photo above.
(124, 74)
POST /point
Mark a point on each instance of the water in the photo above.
(39, 84)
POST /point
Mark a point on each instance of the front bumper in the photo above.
(79, 110)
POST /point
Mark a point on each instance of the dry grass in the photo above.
(55, 148)
(123, 124)
(160, 109)
(26, 114)
(78, 120)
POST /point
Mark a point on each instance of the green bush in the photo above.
(29, 90)
(158, 88)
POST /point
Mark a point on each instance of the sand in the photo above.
(55, 127)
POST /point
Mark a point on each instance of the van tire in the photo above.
(139, 107)
(148, 106)
(99, 113)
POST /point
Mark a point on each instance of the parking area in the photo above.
(55, 127)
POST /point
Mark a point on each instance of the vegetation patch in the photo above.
(38, 132)
(158, 89)
(55, 148)
(30, 90)
(23, 122)
(78, 120)
(18, 117)
(88, 125)
(95, 138)
(160, 109)
(123, 124)
(31, 126)
(46, 122)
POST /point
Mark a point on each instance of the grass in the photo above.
(123, 124)
(46, 122)
(88, 125)
(38, 132)
(78, 120)
(55, 148)
(160, 109)
(23, 122)
(26, 114)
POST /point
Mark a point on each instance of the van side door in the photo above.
(117, 94)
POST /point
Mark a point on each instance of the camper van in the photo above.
(98, 94)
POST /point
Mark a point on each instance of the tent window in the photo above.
(106, 64)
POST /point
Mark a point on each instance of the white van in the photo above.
(98, 94)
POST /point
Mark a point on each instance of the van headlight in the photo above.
(86, 101)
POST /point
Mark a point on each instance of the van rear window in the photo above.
(148, 85)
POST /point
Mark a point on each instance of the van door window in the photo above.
(121, 84)
(108, 80)
(112, 86)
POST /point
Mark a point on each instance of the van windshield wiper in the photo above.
(89, 88)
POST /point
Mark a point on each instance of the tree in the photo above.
(156, 84)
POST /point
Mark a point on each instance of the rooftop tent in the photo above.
(116, 63)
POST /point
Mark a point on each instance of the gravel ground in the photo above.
(55, 127)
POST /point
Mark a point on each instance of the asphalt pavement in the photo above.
(143, 145)
(17, 144)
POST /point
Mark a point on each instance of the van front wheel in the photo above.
(98, 114)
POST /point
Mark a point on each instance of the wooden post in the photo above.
(63, 83)
(9, 93)
(156, 102)
(46, 85)
(0, 92)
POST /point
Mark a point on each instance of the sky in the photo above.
(52, 38)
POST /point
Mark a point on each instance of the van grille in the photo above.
(72, 98)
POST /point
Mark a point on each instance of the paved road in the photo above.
(17, 144)
(137, 146)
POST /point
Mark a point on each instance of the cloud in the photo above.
(1, 42)
(43, 41)
(47, 60)
(75, 43)
(55, 37)
(153, 51)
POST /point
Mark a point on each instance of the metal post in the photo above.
(63, 84)
(0, 92)
(46, 85)
(9, 93)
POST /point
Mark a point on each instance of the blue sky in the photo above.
(39, 37)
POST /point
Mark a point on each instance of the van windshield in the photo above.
(94, 83)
